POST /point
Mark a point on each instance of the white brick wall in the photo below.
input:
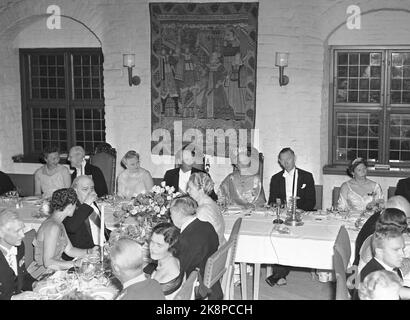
(294, 115)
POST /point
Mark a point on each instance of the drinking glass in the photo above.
(87, 272)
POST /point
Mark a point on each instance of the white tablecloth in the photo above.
(310, 245)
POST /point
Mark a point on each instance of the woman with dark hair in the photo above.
(163, 250)
(359, 192)
(52, 176)
(52, 240)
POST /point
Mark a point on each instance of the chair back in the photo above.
(342, 293)
(391, 192)
(366, 251)
(186, 292)
(227, 279)
(335, 196)
(107, 163)
(221, 264)
(28, 246)
(319, 197)
(342, 246)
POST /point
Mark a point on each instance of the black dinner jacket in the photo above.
(10, 284)
(6, 184)
(148, 289)
(307, 195)
(171, 179)
(370, 267)
(403, 188)
(367, 229)
(196, 243)
(100, 185)
(78, 227)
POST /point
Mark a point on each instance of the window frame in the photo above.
(384, 108)
(69, 103)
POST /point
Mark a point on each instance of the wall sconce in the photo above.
(281, 61)
(129, 62)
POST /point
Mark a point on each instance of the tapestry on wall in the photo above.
(203, 67)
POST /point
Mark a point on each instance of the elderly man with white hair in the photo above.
(14, 277)
(80, 167)
(127, 265)
(83, 228)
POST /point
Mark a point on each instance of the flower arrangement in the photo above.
(371, 208)
(148, 209)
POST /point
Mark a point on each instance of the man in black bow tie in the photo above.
(14, 277)
(83, 228)
(80, 167)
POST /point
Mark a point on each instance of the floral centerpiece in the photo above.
(148, 209)
(372, 207)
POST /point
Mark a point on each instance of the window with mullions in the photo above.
(371, 105)
(63, 98)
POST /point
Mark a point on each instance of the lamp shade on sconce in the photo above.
(129, 60)
(281, 59)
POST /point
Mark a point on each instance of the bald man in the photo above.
(127, 264)
(83, 228)
(14, 277)
(79, 167)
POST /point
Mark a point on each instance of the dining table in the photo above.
(260, 241)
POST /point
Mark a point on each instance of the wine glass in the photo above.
(87, 271)
(278, 207)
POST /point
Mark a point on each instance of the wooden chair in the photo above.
(24, 183)
(335, 196)
(342, 246)
(391, 192)
(221, 264)
(365, 252)
(319, 197)
(186, 292)
(28, 246)
(107, 163)
(227, 279)
(342, 292)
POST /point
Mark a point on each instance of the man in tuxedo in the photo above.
(127, 265)
(388, 244)
(292, 181)
(197, 241)
(14, 277)
(6, 184)
(80, 167)
(83, 228)
(284, 185)
(403, 188)
(392, 205)
(178, 177)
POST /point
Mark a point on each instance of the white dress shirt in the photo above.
(289, 183)
(11, 257)
(95, 230)
(183, 179)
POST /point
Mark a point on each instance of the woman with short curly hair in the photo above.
(52, 240)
